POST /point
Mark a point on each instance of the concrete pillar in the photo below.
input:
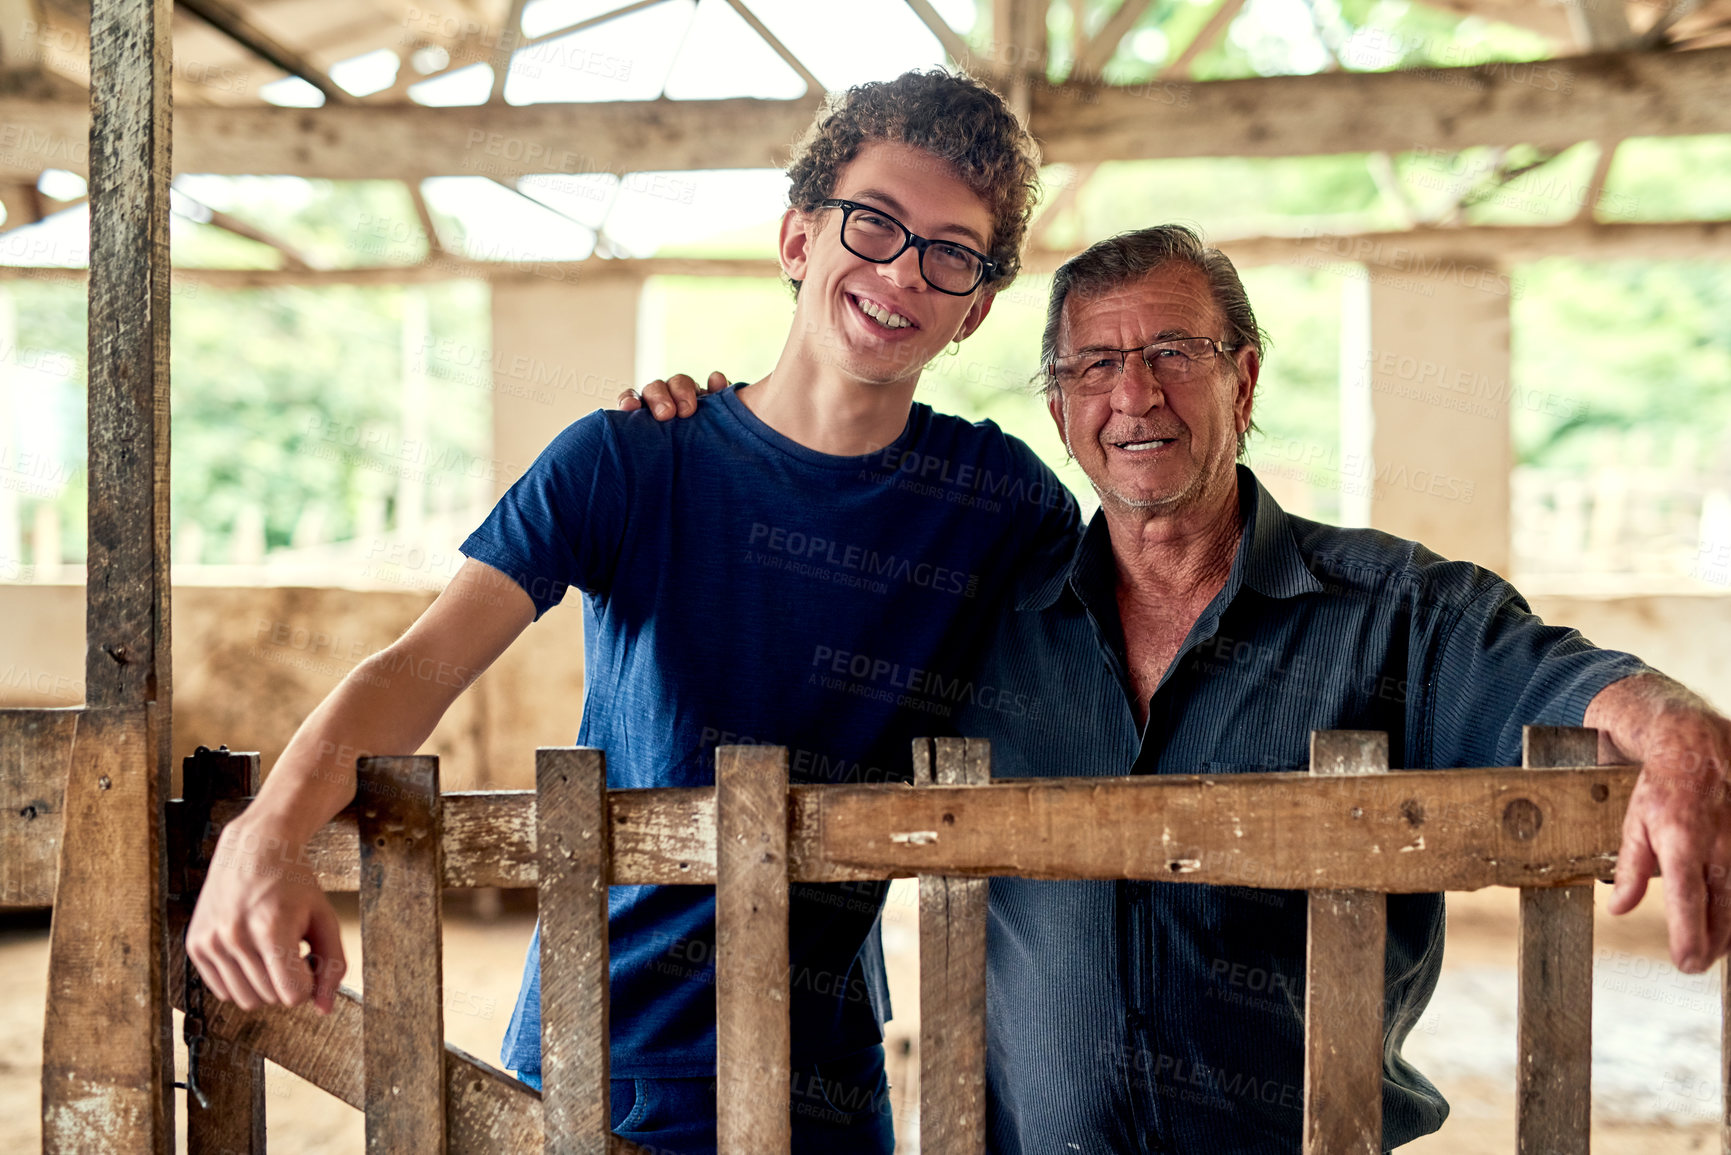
(1437, 367)
(560, 350)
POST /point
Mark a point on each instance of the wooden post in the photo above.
(952, 973)
(753, 1034)
(1553, 1077)
(1343, 985)
(107, 1041)
(229, 1120)
(402, 874)
(573, 844)
(105, 1057)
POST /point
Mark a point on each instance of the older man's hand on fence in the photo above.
(1678, 824)
(676, 396)
(260, 901)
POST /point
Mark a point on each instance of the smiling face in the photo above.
(880, 324)
(1142, 447)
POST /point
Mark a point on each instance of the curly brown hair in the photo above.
(952, 116)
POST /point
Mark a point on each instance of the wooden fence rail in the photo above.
(1350, 832)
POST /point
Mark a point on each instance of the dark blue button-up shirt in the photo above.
(1143, 1017)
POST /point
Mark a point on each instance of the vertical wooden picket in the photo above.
(402, 967)
(952, 974)
(1553, 1074)
(573, 852)
(1343, 986)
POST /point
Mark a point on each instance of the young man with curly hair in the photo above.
(808, 561)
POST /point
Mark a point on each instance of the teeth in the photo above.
(1140, 444)
(881, 315)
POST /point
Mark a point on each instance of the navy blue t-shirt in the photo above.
(739, 588)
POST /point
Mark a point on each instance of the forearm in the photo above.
(383, 706)
(1650, 717)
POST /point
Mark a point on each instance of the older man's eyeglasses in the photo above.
(880, 238)
(1173, 362)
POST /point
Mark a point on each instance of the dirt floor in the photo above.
(1655, 1050)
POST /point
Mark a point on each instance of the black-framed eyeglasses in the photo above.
(1176, 361)
(880, 238)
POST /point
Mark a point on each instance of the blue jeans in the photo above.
(840, 1107)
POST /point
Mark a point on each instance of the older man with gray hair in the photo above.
(1198, 626)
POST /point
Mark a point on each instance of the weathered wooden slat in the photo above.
(952, 974)
(1553, 1075)
(35, 753)
(104, 1054)
(1443, 827)
(1343, 985)
(402, 954)
(753, 1034)
(572, 828)
(230, 1120)
(487, 1111)
(666, 836)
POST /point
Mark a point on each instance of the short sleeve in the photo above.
(1050, 513)
(562, 523)
(1498, 667)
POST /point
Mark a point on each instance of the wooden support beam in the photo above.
(1064, 200)
(23, 204)
(813, 86)
(228, 223)
(591, 22)
(402, 954)
(1549, 104)
(1343, 982)
(1017, 60)
(1298, 833)
(127, 621)
(1476, 251)
(1426, 249)
(225, 1113)
(1596, 183)
(753, 1034)
(574, 861)
(955, 44)
(1600, 25)
(1554, 1037)
(105, 1051)
(509, 40)
(1179, 67)
(952, 973)
(36, 750)
(232, 21)
(1101, 47)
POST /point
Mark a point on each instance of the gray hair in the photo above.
(1129, 257)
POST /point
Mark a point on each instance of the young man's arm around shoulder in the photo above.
(261, 900)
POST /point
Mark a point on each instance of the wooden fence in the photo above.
(1349, 833)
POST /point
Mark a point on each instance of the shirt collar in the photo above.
(1267, 561)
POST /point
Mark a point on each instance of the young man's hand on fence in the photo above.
(259, 903)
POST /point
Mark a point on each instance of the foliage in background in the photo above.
(1640, 353)
(288, 402)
